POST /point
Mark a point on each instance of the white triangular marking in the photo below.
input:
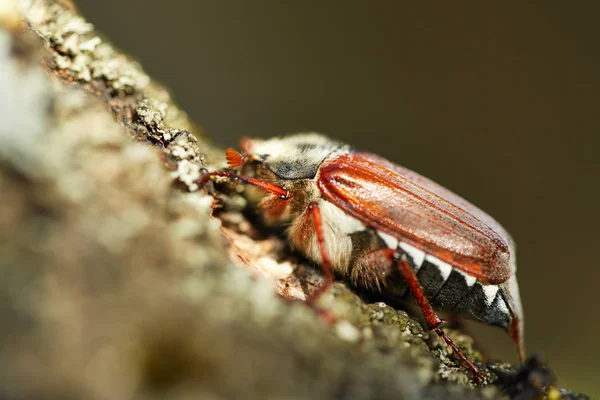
(389, 240)
(417, 255)
(470, 280)
(490, 293)
(444, 268)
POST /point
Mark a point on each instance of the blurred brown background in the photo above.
(498, 103)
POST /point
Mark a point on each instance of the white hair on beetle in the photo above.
(295, 156)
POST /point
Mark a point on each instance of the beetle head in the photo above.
(290, 157)
(289, 163)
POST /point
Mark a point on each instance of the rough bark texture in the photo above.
(117, 283)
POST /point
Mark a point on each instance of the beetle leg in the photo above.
(325, 261)
(431, 318)
(457, 322)
(277, 190)
(370, 269)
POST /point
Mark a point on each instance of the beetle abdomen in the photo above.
(449, 289)
(353, 250)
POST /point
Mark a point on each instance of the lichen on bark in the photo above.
(118, 284)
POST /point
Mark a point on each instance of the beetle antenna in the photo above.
(283, 193)
(234, 158)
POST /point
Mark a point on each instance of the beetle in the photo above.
(385, 228)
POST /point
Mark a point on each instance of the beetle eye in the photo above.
(264, 173)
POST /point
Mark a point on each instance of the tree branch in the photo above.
(118, 284)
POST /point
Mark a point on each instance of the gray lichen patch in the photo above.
(81, 55)
(78, 55)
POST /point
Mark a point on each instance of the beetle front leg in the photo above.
(431, 318)
(267, 187)
(315, 213)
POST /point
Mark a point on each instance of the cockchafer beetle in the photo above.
(385, 228)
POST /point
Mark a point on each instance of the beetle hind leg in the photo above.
(374, 269)
(431, 318)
